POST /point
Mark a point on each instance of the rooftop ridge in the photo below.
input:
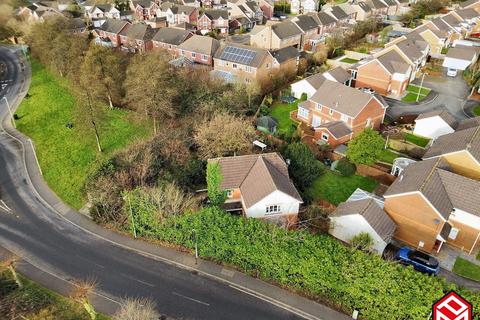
(430, 174)
(474, 136)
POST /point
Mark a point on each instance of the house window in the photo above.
(303, 113)
(273, 209)
(229, 194)
(330, 112)
(324, 137)
(234, 66)
(368, 123)
(204, 57)
(248, 69)
(194, 54)
(169, 46)
(344, 118)
(453, 233)
(421, 244)
(318, 106)
(221, 63)
(183, 52)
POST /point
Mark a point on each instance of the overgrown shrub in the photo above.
(317, 265)
(303, 168)
(346, 168)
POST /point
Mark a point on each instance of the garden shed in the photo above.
(266, 124)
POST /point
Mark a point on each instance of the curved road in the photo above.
(47, 241)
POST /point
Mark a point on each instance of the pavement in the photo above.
(57, 245)
(452, 95)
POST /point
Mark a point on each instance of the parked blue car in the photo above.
(420, 261)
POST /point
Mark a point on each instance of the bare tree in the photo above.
(222, 135)
(137, 309)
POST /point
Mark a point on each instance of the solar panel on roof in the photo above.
(239, 55)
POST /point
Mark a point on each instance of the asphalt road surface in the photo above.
(40, 236)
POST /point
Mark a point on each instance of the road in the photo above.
(452, 96)
(43, 238)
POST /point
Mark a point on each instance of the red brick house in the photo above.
(338, 113)
(199, 49)
(109, 32)
(138, 37)
(143, 9)
(169, 39)
(213, 20)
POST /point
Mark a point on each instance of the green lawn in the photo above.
(349, 60)
(36, 302)
(335, 188)
(476, 111)
(281, 112)
(412, 93)
(67, 155)
(419, 141)
(388, 156)
(466, 269)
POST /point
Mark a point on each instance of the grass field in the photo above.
(349, 60)
(466, 269)
(412, 93)
(281, 112)
(335, 188)
(67, 155)
(34, 302)
(388, 156)
(419, 141)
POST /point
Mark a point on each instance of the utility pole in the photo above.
(10, 111)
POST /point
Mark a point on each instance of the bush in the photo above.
(362, 241)
(346, 168)
(316, 265)
(303, 168)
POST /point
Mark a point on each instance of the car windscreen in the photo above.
(423, 258)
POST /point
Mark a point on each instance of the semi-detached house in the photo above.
(169, 39)
(199, 49)
(109, 32)
(276, 36)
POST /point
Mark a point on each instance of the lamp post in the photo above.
(196, 245)
(126, 197)
(9, 111)
(421, 85)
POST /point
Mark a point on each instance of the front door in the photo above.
(316, 121)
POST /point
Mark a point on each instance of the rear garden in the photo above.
(281, 113)
(349, 60)
(415, 93)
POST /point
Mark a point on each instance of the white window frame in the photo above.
(194, 55)
(204, 57)
(325, 136)
(273, 209)
(303, 113)
(229, 194)
(344, 118)
(234, 65)
(330, 112)
(368, 123)
(318, 107)
(453, 233)
(248, 69)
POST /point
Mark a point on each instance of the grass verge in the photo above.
(34, 302)
(476, 111)
(66, 156)
(349, 60)
(412, 93)
(466, 269)
(335, 188)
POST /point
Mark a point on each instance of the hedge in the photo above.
(316, 265)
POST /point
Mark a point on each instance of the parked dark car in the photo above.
(420, 261)
(287, 99)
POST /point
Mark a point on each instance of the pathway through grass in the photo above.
(68, 155)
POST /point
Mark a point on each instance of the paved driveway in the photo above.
(452, 95)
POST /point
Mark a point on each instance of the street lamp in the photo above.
(9, 111)
(421, 85)
(126, 197)
(196, 245)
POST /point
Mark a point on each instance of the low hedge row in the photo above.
(316, 265)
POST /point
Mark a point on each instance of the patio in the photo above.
(448, 255)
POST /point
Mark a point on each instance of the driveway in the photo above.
(452, 95)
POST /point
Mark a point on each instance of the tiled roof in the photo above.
(468, 139)
(215, 14)
(338, 13)
(462, 53)
(256, 175)
(286, 29)
(393, 62)
(171, 36)
(305, 23)
(339, 74)
(285, 54)
(337, 128)
(113, 25)
(378, 219)
(200, 44)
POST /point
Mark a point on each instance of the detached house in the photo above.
(144, 9)
(235, 62)
(276, 36)
(433, 205)
(258, 185)
(363, 10)
(338, 113)
(338, 14)
(326, 23)
(435, 38)
(109, 32)
(179, 14)
(198, 49)
(310, 33)
(460, 57)
(213, 20)
(100, 12)
(460, 149)
(303, 6)
(169, 39)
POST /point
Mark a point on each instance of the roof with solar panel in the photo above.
(240, 54)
